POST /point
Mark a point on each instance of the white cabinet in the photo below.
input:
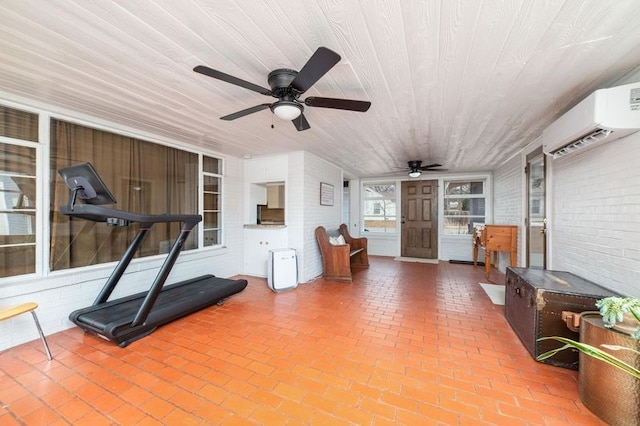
(276, 169)
(267, 169)
(257, 242)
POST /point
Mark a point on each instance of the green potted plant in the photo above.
(618, 313)
(609, 375)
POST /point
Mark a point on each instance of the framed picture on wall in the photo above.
(326, 194)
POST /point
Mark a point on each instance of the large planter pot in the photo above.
(609, 393)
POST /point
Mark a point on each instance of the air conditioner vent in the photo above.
(595, 136)
(605, 115)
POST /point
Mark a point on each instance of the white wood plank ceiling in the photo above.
(465, 83)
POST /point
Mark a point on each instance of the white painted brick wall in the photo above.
(317, 170)
(595, 219)
(295, 209)
(507, 203)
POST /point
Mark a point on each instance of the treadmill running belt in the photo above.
(113, 319)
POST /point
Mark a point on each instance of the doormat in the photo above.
(495, 292)
(466, 262)
(416, 260)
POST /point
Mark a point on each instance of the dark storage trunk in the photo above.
(534, 301)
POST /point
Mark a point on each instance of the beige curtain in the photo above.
(144, 178)
(18, 124)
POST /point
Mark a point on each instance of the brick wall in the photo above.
(595, 215)
(317, 170)
(507, 202)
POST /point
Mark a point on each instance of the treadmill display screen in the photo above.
(90, 188)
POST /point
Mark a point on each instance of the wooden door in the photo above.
(419, 225)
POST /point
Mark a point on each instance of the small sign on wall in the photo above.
(326, 194)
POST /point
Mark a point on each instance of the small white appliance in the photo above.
(282, 271)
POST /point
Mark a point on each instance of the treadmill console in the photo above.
(85, 184)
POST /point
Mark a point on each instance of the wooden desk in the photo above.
(494, 239)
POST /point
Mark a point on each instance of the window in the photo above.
(464, 206)
(379, 207)
(144, 177)
(17, 192)
(212, 181)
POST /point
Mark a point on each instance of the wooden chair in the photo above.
(338, 259)
(7, 313)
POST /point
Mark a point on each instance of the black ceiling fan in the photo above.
(287, 86)
(416, 168)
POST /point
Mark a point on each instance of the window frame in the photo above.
(486, 195)
(364, 199)
(43, 197)
(203, 210)
(38, 199)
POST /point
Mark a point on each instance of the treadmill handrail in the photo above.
(101, 214)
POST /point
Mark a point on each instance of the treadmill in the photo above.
(130, 318)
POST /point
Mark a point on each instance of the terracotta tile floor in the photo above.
(406, 343)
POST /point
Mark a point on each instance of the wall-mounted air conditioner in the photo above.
(605, 115)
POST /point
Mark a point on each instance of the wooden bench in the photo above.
(337, 260)
(13, 311)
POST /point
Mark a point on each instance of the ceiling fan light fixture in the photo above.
(415, 173)
(287, 110)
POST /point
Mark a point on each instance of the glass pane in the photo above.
(17, 228)
(17, 209)
(536, 239)
(379, 225)
(18, 124)
(211, 220)
(536, 190)
(211, 238)
(144, 177)
(467, 188)
(380, 191)
(211, 201)
(211, 184)
(17, 160)
(464, 206)
(17, 193)
(379, 216)
(212, 165)
(17, 260)
(458, 225)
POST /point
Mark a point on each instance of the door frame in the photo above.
(436, 185)
(449, 246)
(529, 151)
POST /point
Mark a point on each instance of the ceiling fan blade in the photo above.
(301, 123)
(245, 112)
(430, 166)
(231, 79)
(348, 104)
(320, 62)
